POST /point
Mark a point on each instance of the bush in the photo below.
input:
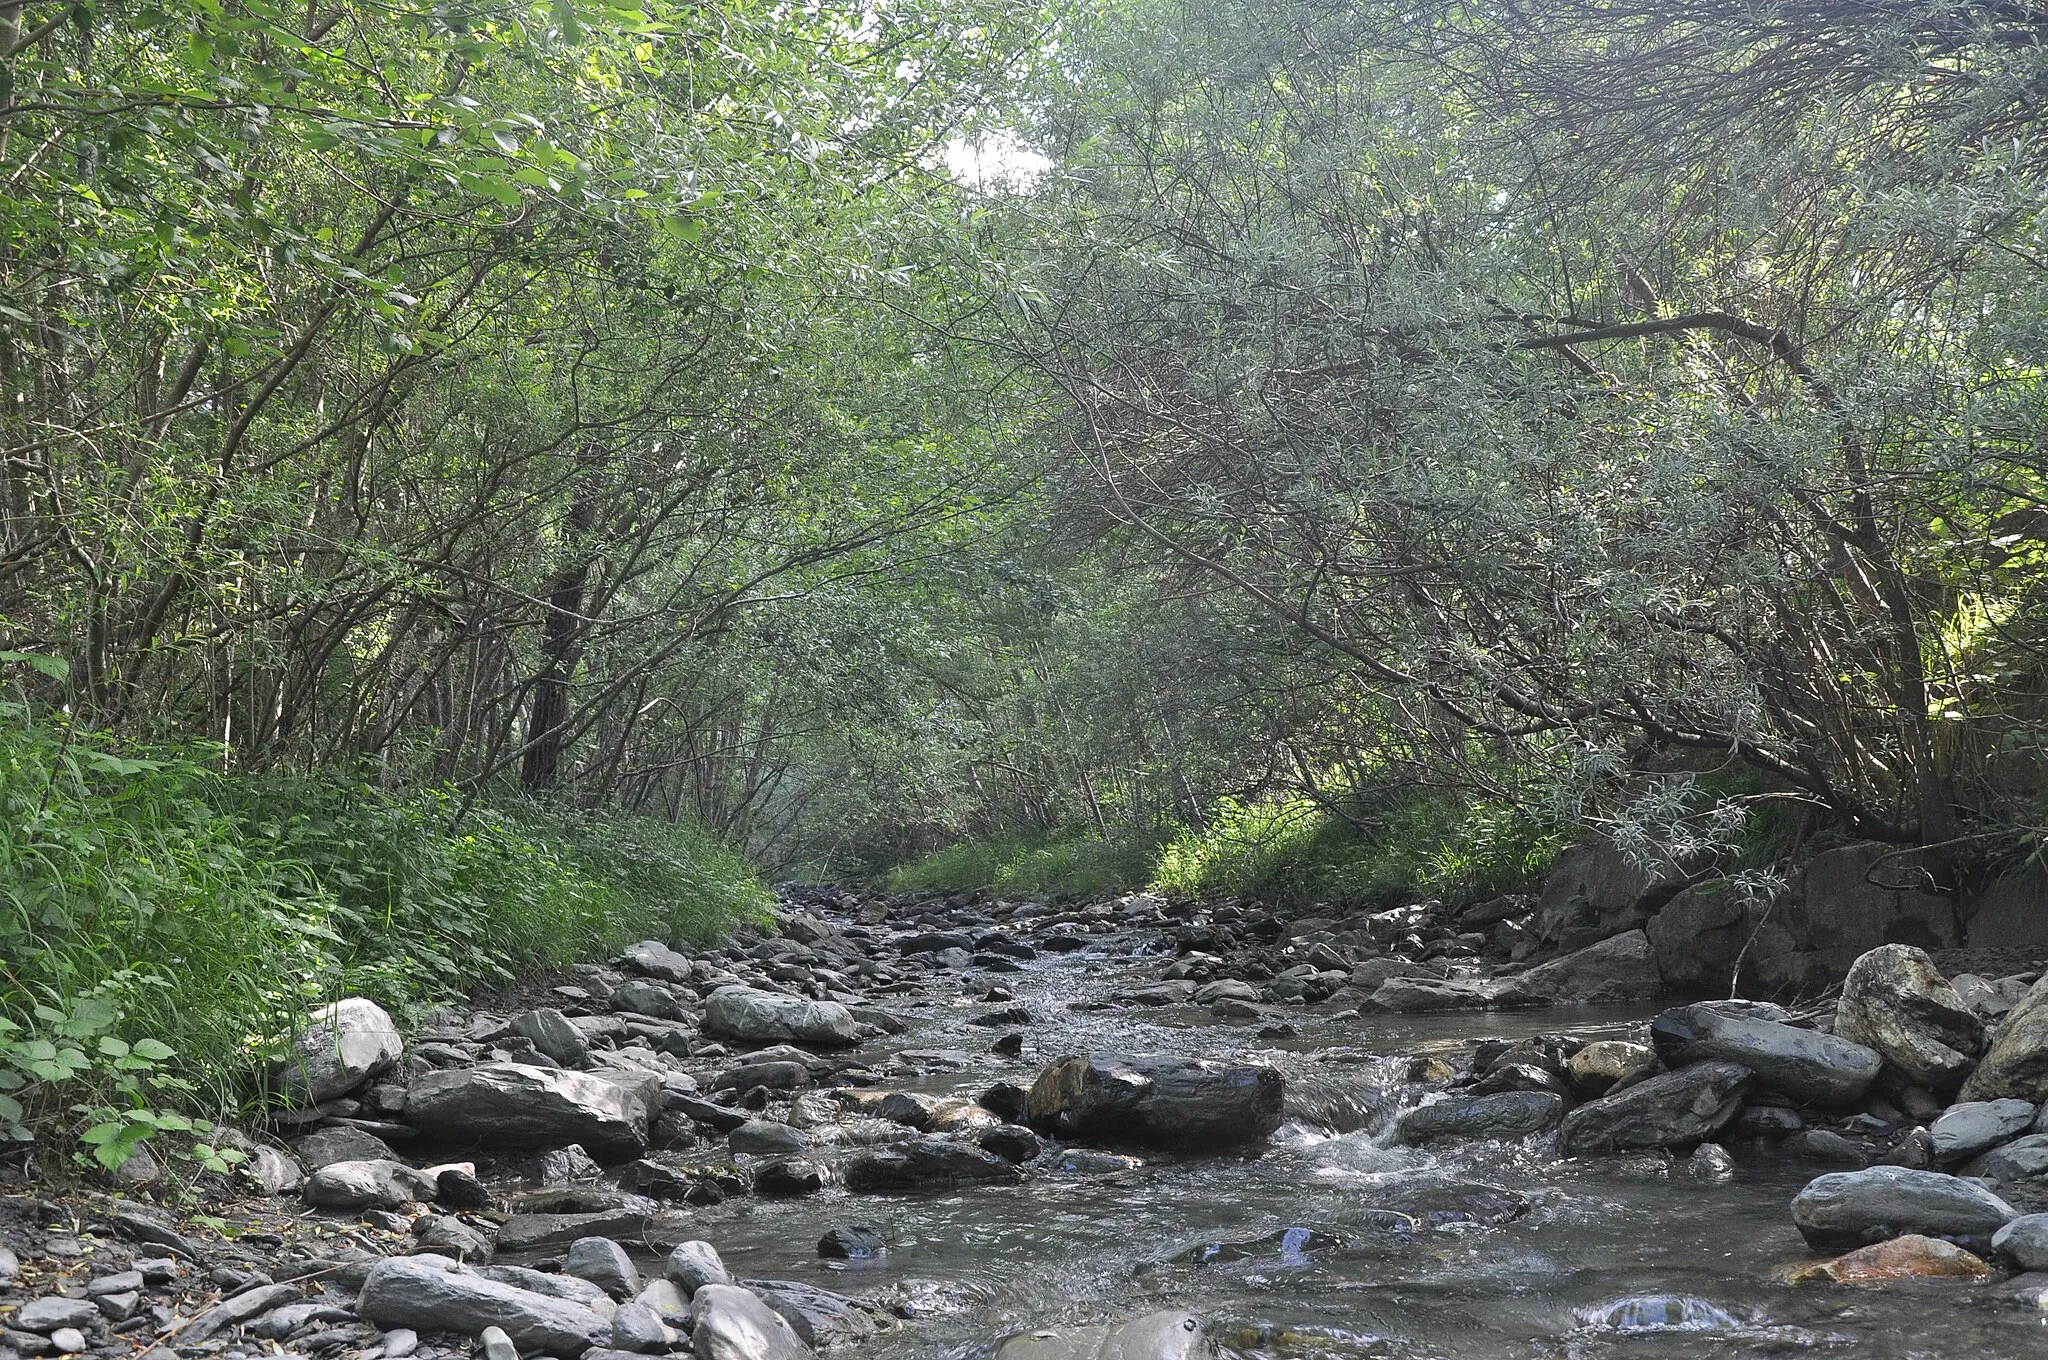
(1040, 866)
(147, 898)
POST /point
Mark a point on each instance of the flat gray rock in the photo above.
(1811, 1067)
(1676, 1109)
(1854, 1208)
(340, 1047)
(430, 1295)
(1975, 1126)
(731, 1323)
(536, 1107)
(1510, 1114)
(770, 1018)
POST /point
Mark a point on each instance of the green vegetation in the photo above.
(1072, 864)
(155, 907)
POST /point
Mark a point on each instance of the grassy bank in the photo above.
(1282, 850)
(162, 925)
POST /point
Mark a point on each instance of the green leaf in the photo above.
(55, 667)
(155, 1050)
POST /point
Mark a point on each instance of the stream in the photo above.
(1615, 1257)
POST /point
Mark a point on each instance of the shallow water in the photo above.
(1617, 1258)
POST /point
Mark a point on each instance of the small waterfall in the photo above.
(1661, 1313)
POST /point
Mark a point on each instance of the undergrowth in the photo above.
(151, 906)
(1044, 866)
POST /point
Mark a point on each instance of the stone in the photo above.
(1156, 1100)
(605, 1264)
(1410, 995)
(1812, 1068)
(368, 1185)
(641, 997)
(1511, 1114)
(925, 1163)
(1976, 1125)
(339, 1047)
(1594, 892)
(639, 1330)
(447, 1235)
(2024, 1241)
(272, 1172)
(324, 1147)
(767, 1138)
(545, 1232)
(68, 1341)
(692, 1265)
(1011, 1142)
(770, 1018)
(495, 1344)
(2023, 1159)
(553, 1035)
(819, 1317)
(1155, 1336)
(1595, 1069)
(1854, 1208)
(1910, 1257)
(852, 1244)
(1676, 1109)
(788, 1177)
(429, 1294)
(232, 1312)
(669, 1303)
(52, 1311)
(731, 1323)
(1894, 1001)
(1710, 1163)
(1615, 971)
(536, 1107)
(2016, 1065)
(653, 959)
(1224, 989)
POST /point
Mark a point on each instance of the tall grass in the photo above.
(212, 911)
(1034, 865)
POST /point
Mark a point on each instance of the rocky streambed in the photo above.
(933, 1128)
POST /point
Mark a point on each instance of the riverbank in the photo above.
(843, 1114)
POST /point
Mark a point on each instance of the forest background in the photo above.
(483, 481)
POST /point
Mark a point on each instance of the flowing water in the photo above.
(1281, 1251)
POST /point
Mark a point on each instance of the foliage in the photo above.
(1293, 849)
(1072, 864)
(151, 906)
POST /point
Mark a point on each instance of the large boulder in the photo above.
(1812, 1068)
(553, 1035)
(1676, 1109)
(1156, 1336)
(1404, 995)
(1155, 1099)
(2016, 1064)
(375, 1184)
(1854, 1208)
(1895, 1001)
(340, 1047)
(1595, 892)
(432, 1294)
(1510, 1114)
(1974, 1126)
(771, 1018)
(536, 1107)
(731, 1323)
(1836, 907)
(1617, 970)
(652, 958)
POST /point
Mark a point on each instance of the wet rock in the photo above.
(1852, 1208)
(368, 1185)
(446, 1235)
(790, 1178)
(731, 1323)
(1157, 1100)
(605, 1264)
(1599, 1066)
(767, 1138)
(770, 1076)
(553, 1035)
(1511, 1114)
(1011, 1142)
(692, 1265)
(1973, 1126)
(1766, 1121)
(1894, 1001)
(544, 1232)
(924, 1164)
(1827, 1147)
(653, 959)
(1224, 989)
(1407, 995)
(2024, 1241)
(1006, 1101)
(341, 1047)
(1813, 1068)
(1288, 1247)
(819, 1317)
(510, 1103)
(1444, 1203)
(912, 1109)
(1910, 1257)
(431, 1295)
(770, 1018)
(1156, 1336)
(1673, 1110)
(1711, 1164)
(1914, 1149)
(1613, 971)
(852, 1244)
